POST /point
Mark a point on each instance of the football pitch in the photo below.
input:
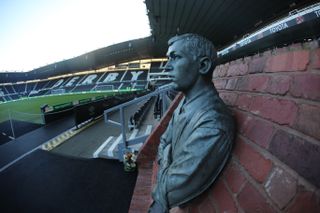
(28, 109)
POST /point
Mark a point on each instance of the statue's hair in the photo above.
(197, 46)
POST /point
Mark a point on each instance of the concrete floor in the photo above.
(88, 141)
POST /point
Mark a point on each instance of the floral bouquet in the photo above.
(129, 161)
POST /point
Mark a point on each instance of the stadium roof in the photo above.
(222, 21)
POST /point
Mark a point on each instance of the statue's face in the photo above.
(182, 67)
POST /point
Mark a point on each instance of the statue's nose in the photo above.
(167, 67)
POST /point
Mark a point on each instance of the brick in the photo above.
(279, 84)
(228, 97)
(296, 46)
(244, 101)
(237, 69)
(308, 120)
(220, 83)
(257, 83)
(257, 166)
(155, 168)
(241, 120)
(258, 131)
(179, 210)
(223, 198)
(306, 86)
(302, 156)
(220, 71)
(216, 71)
(311, 45)
(232, 83)
(251, 201)
(257, 64)
(281, 187)
(281, 50)
(278, 110)
(206, 206)
(234, 177)
(268, 53)
(305, 202)
(315, 59)
(242, 83)
(288, 61)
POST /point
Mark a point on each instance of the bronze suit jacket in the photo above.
(194, 148)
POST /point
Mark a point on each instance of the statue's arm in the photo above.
(203, 156)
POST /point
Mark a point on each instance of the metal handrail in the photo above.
(125, 143)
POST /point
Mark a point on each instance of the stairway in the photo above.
(109, 148)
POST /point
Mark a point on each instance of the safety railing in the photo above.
(123, 146)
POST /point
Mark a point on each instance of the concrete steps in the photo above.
(109, 148)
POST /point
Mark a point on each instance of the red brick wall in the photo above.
(275, 165)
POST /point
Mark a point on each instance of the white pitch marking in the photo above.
(148, 130)
(134, 134)
(96, 153)
(114, 145)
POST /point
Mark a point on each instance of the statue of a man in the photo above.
(198, 140)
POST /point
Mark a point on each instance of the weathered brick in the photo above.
(311, 45)
(315, 59)
(278, 110)
(242, 83)
(279, 84)
(220, 83)
(305, 202)
(232, 83)
(179, 210)
(223, 198)
(220, 71)
(250, 159)
(308, 120)
(241, 120)
(288, 61)
(206, 206)
(295, 47)
(300, 155)
(237, 69)
(257, 83)
(216, 71)
(256, 65)
(228, 97)
(258, 131)
(244, 101)
(281, 187)
(252, 201)
(234, 177)
(306, 86)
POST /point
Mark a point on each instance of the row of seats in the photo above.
(97, 81)
(136, 119)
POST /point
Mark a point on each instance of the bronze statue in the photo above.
(198, 140)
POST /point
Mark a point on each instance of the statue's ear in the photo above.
(205, 65)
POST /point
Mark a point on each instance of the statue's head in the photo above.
(190, 56)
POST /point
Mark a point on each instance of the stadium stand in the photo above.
(136, 119)
(265, 74)
(115, 80)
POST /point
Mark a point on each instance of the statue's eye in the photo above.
(175, 56)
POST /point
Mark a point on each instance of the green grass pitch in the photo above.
(28, 109)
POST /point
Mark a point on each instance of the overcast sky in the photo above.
(34, 33)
